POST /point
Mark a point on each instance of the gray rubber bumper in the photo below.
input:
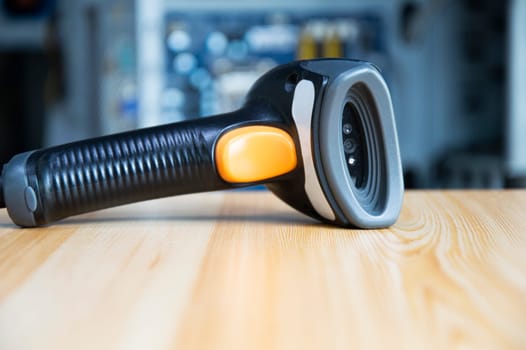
(20, 198)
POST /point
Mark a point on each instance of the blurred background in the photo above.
(72, 69)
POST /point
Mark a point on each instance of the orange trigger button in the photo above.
(254, 153)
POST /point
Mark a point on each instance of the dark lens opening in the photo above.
(354, 145)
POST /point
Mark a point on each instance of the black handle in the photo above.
(50, 184)
(125, 168)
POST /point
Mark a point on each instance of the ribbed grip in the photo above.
(124, 168)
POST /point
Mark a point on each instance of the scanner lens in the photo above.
(354, 145)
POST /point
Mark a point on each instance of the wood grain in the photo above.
(241, 270)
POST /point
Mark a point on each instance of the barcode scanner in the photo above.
(320, 134)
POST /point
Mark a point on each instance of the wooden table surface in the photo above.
(241, 270)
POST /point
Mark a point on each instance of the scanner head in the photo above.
(342, 120)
